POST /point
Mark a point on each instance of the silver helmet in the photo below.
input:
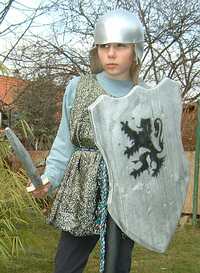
(120, 26)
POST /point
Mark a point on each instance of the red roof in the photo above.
(9, 86)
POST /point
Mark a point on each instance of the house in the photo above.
(9, 88)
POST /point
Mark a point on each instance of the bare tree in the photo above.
(171, 40)
(172, 31)
(17, 30)
(5, 9)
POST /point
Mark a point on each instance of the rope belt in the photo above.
(102, 179)
(102, 207)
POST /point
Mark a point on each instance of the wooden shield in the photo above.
(139, 137)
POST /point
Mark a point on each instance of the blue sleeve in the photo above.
(62, 147)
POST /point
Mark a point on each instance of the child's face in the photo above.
(116, 59)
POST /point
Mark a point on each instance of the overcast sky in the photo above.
(20, 10)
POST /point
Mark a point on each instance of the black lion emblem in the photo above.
(149, 159)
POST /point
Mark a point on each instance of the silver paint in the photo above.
(146, 208)
(24, 157)
(120, 26)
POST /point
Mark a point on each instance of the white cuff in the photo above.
(31, 188)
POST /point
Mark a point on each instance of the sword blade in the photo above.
(24, 157)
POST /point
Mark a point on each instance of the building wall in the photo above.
(8, 88)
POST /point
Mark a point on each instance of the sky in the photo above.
(40, 27)
(17, 14)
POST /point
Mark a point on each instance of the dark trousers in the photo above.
(73, 252)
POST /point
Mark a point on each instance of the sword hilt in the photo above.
(32, 185)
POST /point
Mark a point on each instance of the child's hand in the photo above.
(39, 192)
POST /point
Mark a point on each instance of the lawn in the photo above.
(40, 240)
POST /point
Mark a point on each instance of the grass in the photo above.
(40, 242)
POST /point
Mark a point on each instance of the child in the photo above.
(75, 166)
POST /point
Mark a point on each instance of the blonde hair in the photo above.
(96, 67)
